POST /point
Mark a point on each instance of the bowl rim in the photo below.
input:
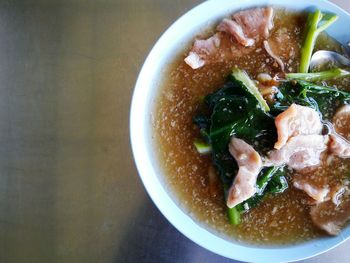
(146, 162)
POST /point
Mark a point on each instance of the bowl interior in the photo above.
(175, 39)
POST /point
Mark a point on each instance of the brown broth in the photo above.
(280, 219)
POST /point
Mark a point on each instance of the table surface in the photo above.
(69, 190)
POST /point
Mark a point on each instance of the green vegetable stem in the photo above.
(234, 216)
(202, 147)
(316, 23)
(319, 76)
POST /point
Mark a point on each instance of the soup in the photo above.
(192, 178)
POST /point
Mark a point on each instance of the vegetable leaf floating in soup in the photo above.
(321, 98)
(235, 111)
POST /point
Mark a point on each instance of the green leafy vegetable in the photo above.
(319, 76)
(236, 112)
(316, 23)
(234, 216)
(237, 109)
(321, 98)
(278, 184)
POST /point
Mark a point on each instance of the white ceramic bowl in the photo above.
(178, 36)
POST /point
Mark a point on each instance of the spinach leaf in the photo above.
(278, 183)
(234, 110)
(321, 98)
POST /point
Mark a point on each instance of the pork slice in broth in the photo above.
(316, 193)
(333, 214)
(339, 146)
(194, 60)
(250, 164)
(283, 54)
(273, 55)
(235, 30)
(331, 217)
(216, 49)
(255, 22)
(296, 120)
(341, 121)
(299, 152)
(202, 50)
(234, 37)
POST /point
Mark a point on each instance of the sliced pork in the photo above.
(339, 146)
(283, 48)
(338, 139)
(194, 60)
(300, 152)
(273, 55)
(235, 30)
(202, 50)
(318, 194)
(330, 217)
(296, 120)
(248, 25)
(341, 121)
(250, 164)
(208, 46)
(242, 31)
(255, 22)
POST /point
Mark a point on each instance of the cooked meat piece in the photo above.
(273, 55)
(318, 194)
(202, 50)
(323, 182)
(330, 217)
(250, 164)
(194, 60)
(296, 120)
(338, 143)
(219, 47)
(208, 46)
(341, 121)
(255, 22)
(283, 48)
(299, 152)
(235, 30)
(339, 146)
